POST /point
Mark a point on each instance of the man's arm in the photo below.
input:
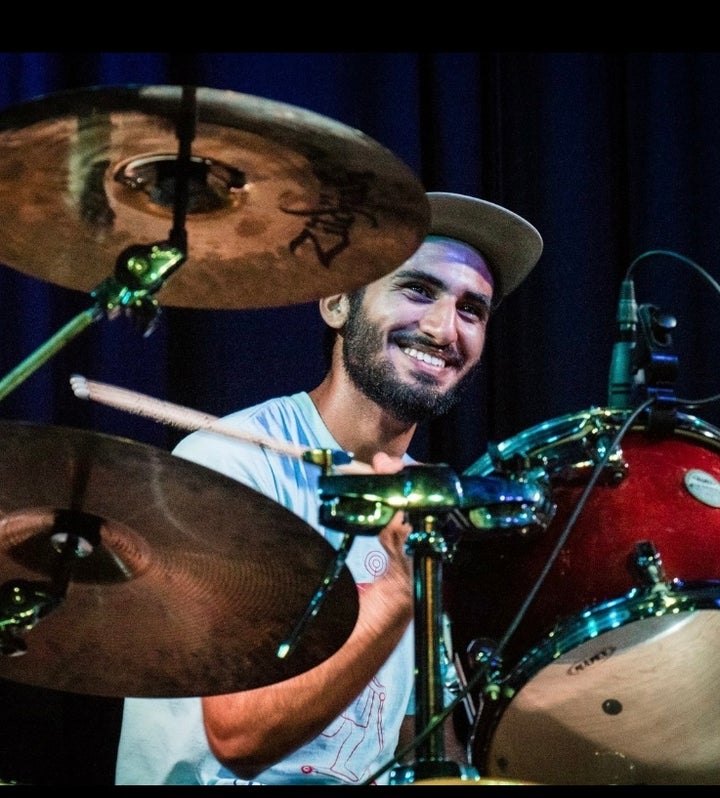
(251, 730)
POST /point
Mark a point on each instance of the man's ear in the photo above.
(334, 310)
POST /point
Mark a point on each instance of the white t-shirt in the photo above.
(162, 740)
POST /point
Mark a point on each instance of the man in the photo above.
(404, 346)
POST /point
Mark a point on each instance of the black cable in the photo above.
(688, 403)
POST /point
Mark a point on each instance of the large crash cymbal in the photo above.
(188, 583)
(284, 206)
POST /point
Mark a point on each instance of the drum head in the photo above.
(630, 705)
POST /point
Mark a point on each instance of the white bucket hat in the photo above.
(511, 245)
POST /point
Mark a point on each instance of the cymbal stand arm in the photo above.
(185, 131)
(287, 646)
(23, 603)
(146, 268)
(326, 458)
(47, 350)
(140, 270)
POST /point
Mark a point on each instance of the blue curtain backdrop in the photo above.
(610, 155)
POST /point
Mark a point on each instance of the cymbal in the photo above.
(185, 581)
(284, 205)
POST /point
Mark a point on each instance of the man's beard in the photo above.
(378, 380)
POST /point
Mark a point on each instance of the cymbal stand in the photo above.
(140, 270)
(148, 266)
(430, 550)
(431, 496)
(326, 459)
(23, 603)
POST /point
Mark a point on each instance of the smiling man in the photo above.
(403, 348)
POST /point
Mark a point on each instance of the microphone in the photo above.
(620, 385)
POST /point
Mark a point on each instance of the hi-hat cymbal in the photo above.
(284, 205)
(186, 581)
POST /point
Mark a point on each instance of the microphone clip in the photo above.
(655, 362)
(656, 365)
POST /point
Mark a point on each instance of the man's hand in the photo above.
(386, 464)
(394, 536)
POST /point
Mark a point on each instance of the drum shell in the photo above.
(488, 580)
(594, 584)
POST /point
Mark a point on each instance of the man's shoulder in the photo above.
(273, 408)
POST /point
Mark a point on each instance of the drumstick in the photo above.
(185, 418)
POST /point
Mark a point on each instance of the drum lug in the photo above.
(482, 654)
(615, 473)
(616, 467)
(648, 563)
(482, 651)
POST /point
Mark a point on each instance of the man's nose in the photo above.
(440, 321)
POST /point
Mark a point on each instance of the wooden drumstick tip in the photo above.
(80, 386)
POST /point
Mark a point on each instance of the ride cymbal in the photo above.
(179, 580)
(282, 205)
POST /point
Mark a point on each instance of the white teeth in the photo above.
(425, 357)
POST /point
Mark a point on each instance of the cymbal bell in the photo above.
(283, 205)
(180, 580)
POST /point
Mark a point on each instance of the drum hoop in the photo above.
(636, 605)
(569, 425)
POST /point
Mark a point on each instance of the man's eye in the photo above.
(479, 311)
(418, 288)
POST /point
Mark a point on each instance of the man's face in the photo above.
(414, 336)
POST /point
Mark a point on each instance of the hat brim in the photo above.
(510, 244)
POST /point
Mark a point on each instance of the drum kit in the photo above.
(112, 585)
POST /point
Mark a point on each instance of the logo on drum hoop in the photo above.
(583, 664)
